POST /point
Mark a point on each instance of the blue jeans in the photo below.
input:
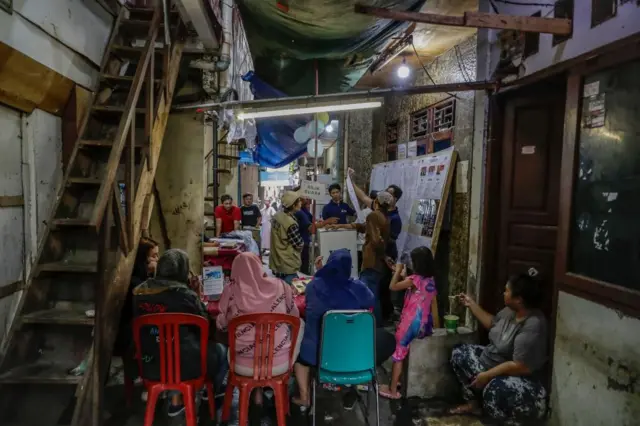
(371, 278)
(287, 278)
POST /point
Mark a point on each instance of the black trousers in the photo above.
(385, 293)
(304, 256)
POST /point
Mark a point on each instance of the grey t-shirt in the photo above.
(511, 340)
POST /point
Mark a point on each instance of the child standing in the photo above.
(416, 320)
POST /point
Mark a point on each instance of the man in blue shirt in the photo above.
(336, 207)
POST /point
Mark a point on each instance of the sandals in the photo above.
(385, 392)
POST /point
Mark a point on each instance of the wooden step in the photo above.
(228, 157)
(114, 109)
(127, 79)
(67, 267)
(104, 143)
(131, 51)
(71, 316)
(84, 181)
(70, 222)
(40, 373)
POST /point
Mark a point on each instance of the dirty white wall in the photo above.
(596, 365)
(180, 185)
(30, 166)
(584, 38)
(68, 36)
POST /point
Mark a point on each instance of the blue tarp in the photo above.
(276, 146)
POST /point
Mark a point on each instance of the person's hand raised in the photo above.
(351, 172)
(466, 300)
(318, 262)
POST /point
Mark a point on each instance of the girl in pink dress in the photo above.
(416, 321)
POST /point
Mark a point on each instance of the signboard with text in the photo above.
(314, 190)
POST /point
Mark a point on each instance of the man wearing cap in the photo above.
(376, 238)
(286, 242)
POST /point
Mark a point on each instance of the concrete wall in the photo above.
(596, 365)
(364, 150)
(68, 36)
(180, 184)
(584, 38)
(31, 166)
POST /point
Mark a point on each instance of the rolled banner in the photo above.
(311, 148)
(301, 135)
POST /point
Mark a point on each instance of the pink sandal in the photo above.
(385, 392)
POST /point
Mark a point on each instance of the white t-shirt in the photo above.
(362, 218)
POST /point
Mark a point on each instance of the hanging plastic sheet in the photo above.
(276, 145)
(287, 46)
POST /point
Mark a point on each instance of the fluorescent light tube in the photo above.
(309, 110)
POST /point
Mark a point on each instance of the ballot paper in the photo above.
(213, 280)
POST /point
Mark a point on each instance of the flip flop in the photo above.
(388, 395)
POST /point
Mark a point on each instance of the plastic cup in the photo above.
(451, 323)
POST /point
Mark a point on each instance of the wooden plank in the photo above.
(125, 121)
(11, 201)
(150, 107)
(530, 24)
(118, 215)
(9, 289)
(475, 20)
(39, 373)
(58, 316)
(130, 179)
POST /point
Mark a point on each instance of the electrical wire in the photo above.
(460, 64)
(425, 69)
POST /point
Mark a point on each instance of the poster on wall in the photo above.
(402, 151)
(412, 149)
(422, 206)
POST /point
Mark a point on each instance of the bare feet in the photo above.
(470, 408)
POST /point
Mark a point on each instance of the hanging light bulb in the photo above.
(403, 70)
(329, 128)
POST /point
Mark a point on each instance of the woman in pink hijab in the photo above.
(251, 291)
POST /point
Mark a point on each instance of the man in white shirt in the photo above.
(362, 217)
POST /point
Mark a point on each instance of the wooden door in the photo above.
(529, 191)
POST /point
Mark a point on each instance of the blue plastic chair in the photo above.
(347, 354)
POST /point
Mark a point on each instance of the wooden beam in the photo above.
(475, 20)
(9, 289)
(11, 201)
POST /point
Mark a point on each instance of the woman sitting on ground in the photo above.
(332, 288)
(503, 376)
(251, 291)
(171, 292)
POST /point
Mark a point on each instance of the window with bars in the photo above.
(435, 118)
(6, 5)
(392, 139)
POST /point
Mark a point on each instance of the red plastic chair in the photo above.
(265, 326)
(169, 347)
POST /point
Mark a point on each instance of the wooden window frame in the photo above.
(611, 295)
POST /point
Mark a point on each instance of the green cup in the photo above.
(451, 323)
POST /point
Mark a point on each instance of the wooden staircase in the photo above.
(86, 255)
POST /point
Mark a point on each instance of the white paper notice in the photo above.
(352, 196)
(591, 89)
(412, 149)
(402, 151)
(212, 280)
(314, 190)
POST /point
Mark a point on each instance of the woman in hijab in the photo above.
(251, 291)
(332, 288)
(170, 292)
